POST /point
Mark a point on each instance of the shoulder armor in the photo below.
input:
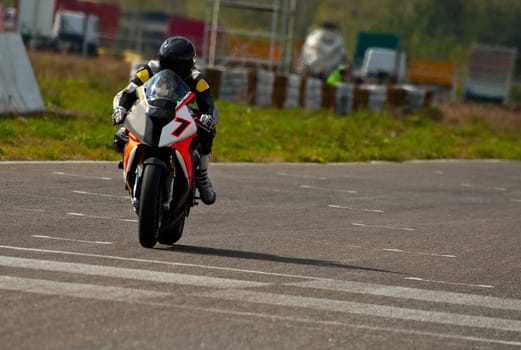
(154, 66)
(199, 81)
(196, 74)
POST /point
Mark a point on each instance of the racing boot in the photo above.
(120, 142)
(203, 182)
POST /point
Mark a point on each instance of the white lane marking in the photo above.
(417, 253)
(143, 297)
(133, 274)
(77, 290)
(32, 210)
(414, 293)
(385, 227)
(365, 309)
(170, 263)
(159, 262)
(495, 188)
(359, 209)
(449, 283)
(70, 239)
(61, 173)
(342, 324)
(516, 200)
(54, 162)
(300, 176)
(80, 215)
(393, 250)
(100, 194)
(453, 161)
(328, 189)
(101, 217)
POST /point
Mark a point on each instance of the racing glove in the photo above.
(207, 122)
(118, 115)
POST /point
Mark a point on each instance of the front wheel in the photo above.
(150, 206)
(174, 234)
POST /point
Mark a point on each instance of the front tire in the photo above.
(172, 235)
(150, 206)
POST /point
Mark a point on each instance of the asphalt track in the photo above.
(414, 255)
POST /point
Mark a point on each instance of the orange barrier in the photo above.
(431, 72)
(252, 49)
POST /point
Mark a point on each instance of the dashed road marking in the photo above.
(300, 176)
(359, 209)
(328, 189)
(61, 173)
(100, 194)
(493, 188)
(70, 239)
(384, 227)
(418, 253)
(100, 217)
(29, 209)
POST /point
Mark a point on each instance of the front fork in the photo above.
(169, 182)
(168, 177)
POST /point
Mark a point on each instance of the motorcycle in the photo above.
(162, 157)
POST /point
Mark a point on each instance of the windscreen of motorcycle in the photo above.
(165, 91)
(161, 112)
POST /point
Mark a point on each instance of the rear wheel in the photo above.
(150, 205)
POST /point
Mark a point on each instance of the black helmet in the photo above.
(178, 54)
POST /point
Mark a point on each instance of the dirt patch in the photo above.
(49, 65)
(497, 117)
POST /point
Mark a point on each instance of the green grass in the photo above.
(55, 137)
(252, 134)
(78, 125)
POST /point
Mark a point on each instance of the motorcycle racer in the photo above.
(178, 54)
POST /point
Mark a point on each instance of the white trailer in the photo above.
(490, 70)
(35, 19)
(76, 32)
(381, 64)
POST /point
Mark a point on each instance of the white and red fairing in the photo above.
(177, 134)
